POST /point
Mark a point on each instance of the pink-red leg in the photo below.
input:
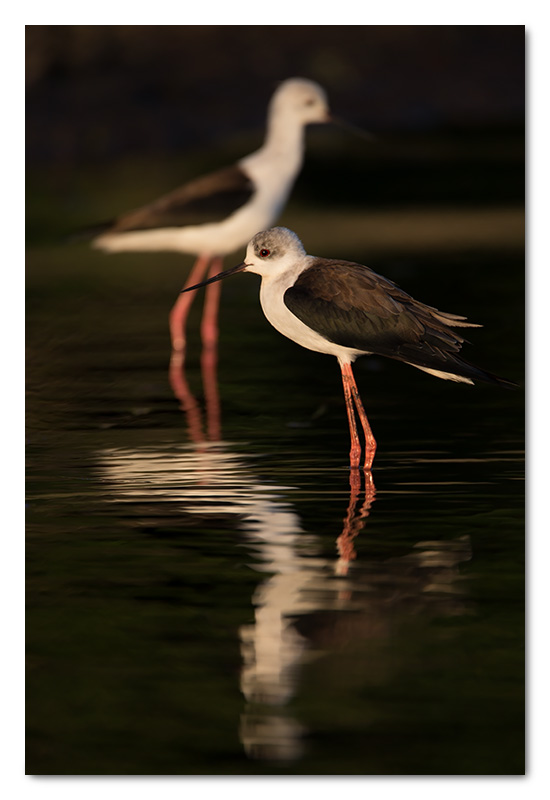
(180, 310)
(370, 442)
(209, 355)
(209, 323)
(355, 450)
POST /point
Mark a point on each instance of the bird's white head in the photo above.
(272, 252)
(301, 100)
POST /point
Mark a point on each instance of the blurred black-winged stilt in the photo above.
(218, 213)
(347, 310)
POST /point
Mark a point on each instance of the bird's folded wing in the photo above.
(352, 306)
(206, 199)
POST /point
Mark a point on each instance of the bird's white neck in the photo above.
(282, 150)
(285, 134)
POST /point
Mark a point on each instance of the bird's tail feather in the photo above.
(456, 369)
(86, 234)
(453, 320)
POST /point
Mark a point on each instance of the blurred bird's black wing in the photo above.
(206, 199)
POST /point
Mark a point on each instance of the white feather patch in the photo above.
(447, 376)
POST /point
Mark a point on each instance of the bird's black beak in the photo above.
(347, 126)
(224, 274)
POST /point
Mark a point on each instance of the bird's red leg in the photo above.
(355, 450)
(209, 356)
(180, 310)
(370, 441)
(209, 324)
(178, 316)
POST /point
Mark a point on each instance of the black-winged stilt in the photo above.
(218, 213)
(347, 310)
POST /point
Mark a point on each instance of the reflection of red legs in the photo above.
(370, 491)
(209, 356)
(353, 522)
(188, 404)
(180, 310)
(351, 394)
(345, 540)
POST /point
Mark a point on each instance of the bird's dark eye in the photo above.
(264, 253)
(310, 101)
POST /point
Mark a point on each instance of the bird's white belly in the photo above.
(272, 302)
(216, 238)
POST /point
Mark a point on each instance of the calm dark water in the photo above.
(236, 607)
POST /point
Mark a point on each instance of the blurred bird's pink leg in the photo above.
(178, 317)
(355, 450)
(180, 310)
(209, 324)
(209, 356)
(370, 441)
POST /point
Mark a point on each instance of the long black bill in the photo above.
(224, 274)
(347, 126)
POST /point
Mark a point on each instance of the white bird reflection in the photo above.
(301, 580)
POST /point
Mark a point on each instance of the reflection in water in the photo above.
(188, 402)
(344, 599)
(272, 648)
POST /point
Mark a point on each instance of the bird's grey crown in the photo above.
(301, 86)
(278, 241)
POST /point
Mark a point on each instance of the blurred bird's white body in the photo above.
(271, 171)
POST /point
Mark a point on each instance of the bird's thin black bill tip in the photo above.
(218, 277)
(348, 126)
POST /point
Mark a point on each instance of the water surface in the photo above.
(244, 605)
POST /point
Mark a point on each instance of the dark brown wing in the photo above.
(352, 306)
(206, 199)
